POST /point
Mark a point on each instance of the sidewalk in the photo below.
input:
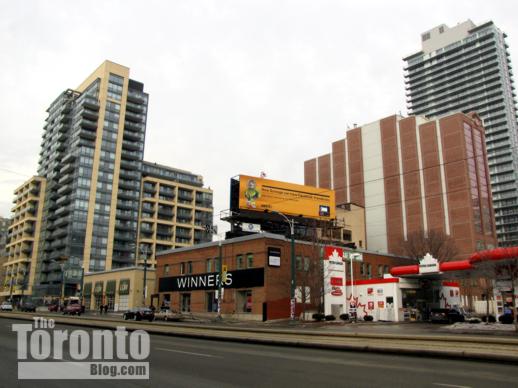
(403, 328)
(443, 345)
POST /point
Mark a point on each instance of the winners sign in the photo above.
(244, 278)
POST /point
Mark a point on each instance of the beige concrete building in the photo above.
(23, 239)
(175, 210)
(121, 289)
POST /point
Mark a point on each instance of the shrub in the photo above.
(330, 317)
(489, 318)
(318, 316)
(344, 317)
(368, 318)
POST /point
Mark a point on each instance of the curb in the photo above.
(207, 335)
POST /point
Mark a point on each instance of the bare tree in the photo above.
(437, 243)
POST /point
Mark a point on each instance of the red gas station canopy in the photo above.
(461, 265)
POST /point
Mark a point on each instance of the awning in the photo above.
(87, 291)
(98, 289)
(124, 286)
(110, 287)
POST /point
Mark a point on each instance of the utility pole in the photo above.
(291, 223)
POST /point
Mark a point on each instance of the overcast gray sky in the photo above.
(235, 86)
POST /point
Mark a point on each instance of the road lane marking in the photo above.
(190, 353)
(451, 385)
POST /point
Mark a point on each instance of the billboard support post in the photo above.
(291, 223)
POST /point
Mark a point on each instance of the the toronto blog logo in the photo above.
(46, 353)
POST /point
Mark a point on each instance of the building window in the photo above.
(425, 36)
(386, 269)
(249, 260)
(166, 268)
(362, 269)
(347, 235)
(209, 265)
(189, 267)
(306, 264)
(182, 268)
(298, 263)
(217, 267)
(185, 303)
(369, 271)
(239, 262)
(380, 271)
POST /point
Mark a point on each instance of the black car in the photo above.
(28, 307)
(139, 313)
(446, 316)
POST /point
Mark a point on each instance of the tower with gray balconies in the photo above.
(468, 68)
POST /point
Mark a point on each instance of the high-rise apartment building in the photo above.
(4, 226)
(81, 214)
(467, 68)
(175, 211)
(23, 239)
(91, 157)
(413, 175)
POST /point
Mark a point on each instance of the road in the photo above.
(184, 362)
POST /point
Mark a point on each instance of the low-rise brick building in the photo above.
(257, 285)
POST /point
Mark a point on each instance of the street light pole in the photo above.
(220, 288)
(291, 223)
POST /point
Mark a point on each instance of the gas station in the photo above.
(409, 292)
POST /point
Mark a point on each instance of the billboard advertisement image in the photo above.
(258, 194)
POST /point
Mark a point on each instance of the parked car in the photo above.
(167, 314)
(446, 316)
(6, 306)
(28, 307)
(54, 307)
(139, 313)
(73, 309)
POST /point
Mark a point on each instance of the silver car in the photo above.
(6, 306)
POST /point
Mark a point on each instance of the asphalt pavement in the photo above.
(185, 362)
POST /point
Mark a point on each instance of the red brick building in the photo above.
(413, 174)
(258, 267)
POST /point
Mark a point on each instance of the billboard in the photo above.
(258, 194)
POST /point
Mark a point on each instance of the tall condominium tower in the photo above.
(467, 68)
(91, 156)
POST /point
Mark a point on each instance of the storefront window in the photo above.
(244, 301)
(211, 302)
(186, 303)
(123, 302)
